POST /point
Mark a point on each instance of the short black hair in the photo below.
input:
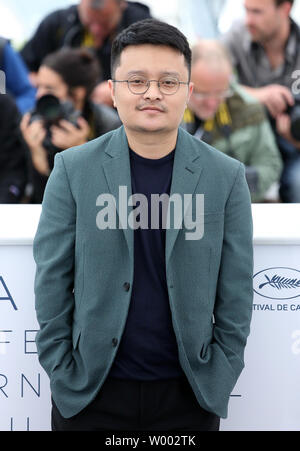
(154, 32)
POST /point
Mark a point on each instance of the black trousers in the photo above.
(122, 405)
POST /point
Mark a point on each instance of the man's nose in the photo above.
(249, 20)
(153, 91)
(97, 29)
(212, 103)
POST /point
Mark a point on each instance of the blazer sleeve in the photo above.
(53, 251)
(234, 297)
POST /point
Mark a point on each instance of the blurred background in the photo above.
(274, 121)
(19, 18)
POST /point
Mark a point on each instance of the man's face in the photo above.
(101, 22)
(152, 111)
(264, 19)
(210, 89)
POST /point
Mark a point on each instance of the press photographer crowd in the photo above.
(245, 102)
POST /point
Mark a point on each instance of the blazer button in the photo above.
(115, 342)
(126, 286)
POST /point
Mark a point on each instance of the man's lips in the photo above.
(151, 108)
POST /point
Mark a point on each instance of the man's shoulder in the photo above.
(94, 148)
(134, 12)
(237, 36)
(62, 16)
(238, 28)
(210, 157)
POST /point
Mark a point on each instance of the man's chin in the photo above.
(154, 130)
(206, 116)
(149, 128)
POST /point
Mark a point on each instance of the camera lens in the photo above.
(49, 108)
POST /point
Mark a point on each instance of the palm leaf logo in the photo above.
(279, 282)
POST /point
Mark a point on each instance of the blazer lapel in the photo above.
(118, 176)
(186, 174)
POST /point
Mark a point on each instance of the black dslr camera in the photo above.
(51, 110)
(294, 113)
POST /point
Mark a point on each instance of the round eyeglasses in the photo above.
(213, 95)
(139, 85)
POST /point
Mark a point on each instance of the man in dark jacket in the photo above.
(13, 162)
(92, 24)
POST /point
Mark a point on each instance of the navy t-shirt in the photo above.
(148, 348)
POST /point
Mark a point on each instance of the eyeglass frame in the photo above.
(149, 83)
(203, 95)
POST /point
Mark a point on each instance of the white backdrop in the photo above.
(267, 395)
(24, 386)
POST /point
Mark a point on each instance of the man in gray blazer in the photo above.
(144, 258)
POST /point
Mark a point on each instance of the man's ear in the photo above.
(191, 88)
(286, 8)
(112, 92)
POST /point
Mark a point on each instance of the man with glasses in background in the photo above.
(222, 114)
(143, 327)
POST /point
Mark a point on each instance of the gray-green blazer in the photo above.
(81, 299)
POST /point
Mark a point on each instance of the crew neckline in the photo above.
(151, 161)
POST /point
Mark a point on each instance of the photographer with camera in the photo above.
(265, 49)
(64, 115)
(288, 124)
